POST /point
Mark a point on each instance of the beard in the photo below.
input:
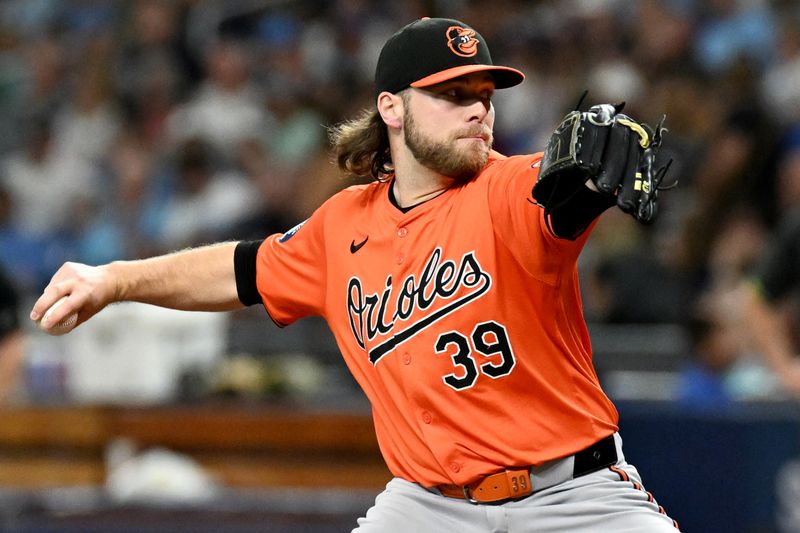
(445, 157)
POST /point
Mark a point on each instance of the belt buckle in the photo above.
(468, 496)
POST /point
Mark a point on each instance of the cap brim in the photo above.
(504, 77)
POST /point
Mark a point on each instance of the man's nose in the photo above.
(479, 109)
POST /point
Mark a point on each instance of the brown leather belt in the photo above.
(514, 484)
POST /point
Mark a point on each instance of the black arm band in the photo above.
(572, 217)
(9, 304)
(244, 266)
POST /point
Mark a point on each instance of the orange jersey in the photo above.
(460, 319)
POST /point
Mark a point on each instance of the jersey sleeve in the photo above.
(518, 219)
(777, 273)
(291, 271)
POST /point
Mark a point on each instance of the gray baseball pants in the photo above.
(611, 499)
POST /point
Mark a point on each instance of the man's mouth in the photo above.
(482, 135)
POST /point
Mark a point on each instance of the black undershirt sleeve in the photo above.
(573, 216)
(244, 266)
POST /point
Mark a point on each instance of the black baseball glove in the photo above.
(612, 150)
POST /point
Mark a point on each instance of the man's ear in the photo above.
(390, 107)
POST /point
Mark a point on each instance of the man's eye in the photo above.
(460, 95)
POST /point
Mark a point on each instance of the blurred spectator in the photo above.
(153, 68)
(45, 186)
(127, 224)
(781, 81)
(702, 384)
(33, 82)
(274, 209)
(731, 173)
(626, 282)
(723, 368)
(206, 202)
(22, 255)
(735, 250)
(298, 130)
(43, 194)
(735, 30)
(719, 371)
(772, 298)
(663, 35)
(89, 121)
(227, 107)
(768, 303)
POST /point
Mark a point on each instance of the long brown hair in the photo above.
(361, 146)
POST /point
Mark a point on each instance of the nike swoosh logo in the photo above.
(356, 247)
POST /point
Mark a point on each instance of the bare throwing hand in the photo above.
(87, 289)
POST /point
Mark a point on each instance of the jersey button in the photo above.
(402, 232)
(426, 417)
(455, 467)
(400, 258)
(406, 359)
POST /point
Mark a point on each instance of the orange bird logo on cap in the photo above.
(462, 41)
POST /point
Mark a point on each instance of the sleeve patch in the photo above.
(289, 234)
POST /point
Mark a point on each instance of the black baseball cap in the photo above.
(432, 50)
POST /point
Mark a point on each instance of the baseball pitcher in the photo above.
(450, 284)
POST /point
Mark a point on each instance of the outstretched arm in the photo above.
(772, 282)
(770, 333)
(198, 279)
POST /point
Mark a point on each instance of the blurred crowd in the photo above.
(136, 127)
